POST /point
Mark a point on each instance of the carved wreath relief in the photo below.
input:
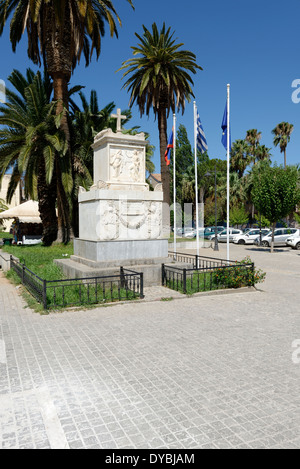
(125, 219)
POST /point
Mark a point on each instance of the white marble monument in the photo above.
(120, 219)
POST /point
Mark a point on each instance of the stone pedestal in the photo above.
(120, 219)
(126, 252)
(114, 215)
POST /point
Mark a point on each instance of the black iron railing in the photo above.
(198, 261)
(206, 274)
(127, 285)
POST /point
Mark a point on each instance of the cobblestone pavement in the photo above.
(204, 372)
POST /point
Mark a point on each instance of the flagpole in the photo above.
(174, 183)
(228, 165)
(196, 177)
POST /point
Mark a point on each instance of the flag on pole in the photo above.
(225, 130)
(169, 148)
(201, 140)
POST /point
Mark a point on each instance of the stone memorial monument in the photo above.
(120, 219)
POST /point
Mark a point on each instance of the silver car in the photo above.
(250, 236)
(280, 236)
(294, 242)
(222, 237)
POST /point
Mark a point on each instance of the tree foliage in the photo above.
(158, 77)
(275, 191)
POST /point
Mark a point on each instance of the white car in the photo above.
(249, 237)
(293, 242)
(222, 237)
(189, 233)
(280, 236)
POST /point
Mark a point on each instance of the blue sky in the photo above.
(254, 46)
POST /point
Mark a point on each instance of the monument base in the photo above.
(121, 251)
(104, 258)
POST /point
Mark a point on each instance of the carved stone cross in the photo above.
(119, 118)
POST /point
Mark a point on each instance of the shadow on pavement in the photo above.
(262, 249)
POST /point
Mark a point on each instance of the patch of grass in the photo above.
(39, 259)
(183, 240)
(5, 234)
(78, 293)
(238, 275)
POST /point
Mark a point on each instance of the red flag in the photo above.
(169, 147)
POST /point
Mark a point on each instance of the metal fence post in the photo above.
(163, 275)
(122, 279)
(23, 273)
(184, 280)
(45, 294)
(252, 270)
(141, 285)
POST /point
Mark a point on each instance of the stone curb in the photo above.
(163, 298)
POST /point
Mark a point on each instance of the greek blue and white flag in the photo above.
(201, 140)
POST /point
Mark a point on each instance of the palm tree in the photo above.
(59, 32)
(263, 153)
(253, 138)
(239, 157)
(282, 136)
(159, 79)
(29, 142)
(237, 191)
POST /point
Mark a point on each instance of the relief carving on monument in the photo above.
(126, 165)
(100, 185)
(133, 214)
(108, 225)
(155, 220)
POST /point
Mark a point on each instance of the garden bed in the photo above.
(211, 274)
(45, 281)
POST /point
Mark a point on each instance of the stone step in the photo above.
(152, 272)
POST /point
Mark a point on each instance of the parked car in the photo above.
(280, 237)
(210, 231)
(293, 242)
(189, 233)
(250, 236)
(203, 232)
(222, 237)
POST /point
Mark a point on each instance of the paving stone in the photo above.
(199, 372)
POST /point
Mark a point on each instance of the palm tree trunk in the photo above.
(285, 158)
(59, 67)
(165, 170)
(47, 199)
(60, 86)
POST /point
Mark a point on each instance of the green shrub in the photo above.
(239, 275)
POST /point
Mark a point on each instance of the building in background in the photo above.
(154, 179)
(16, 200)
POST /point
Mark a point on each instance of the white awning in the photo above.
(28, 212)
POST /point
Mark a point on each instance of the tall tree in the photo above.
(59, 32)
(275, 192)
(30, 139)
(253, 138)
(239, 157)
(262, 153)
(282, 135)
(159, 79)
(184, 161)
